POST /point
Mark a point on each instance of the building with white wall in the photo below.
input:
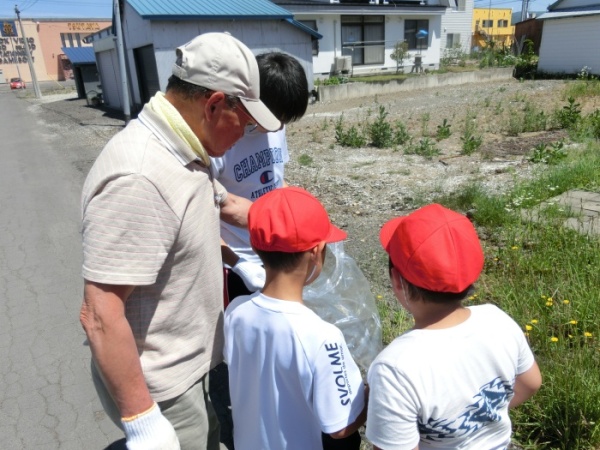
(570, 37)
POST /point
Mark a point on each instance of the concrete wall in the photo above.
(355, 90)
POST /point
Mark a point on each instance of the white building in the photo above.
(570, 37)
(366, 31)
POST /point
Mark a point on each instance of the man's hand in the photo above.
(150, 430)
(253, 275)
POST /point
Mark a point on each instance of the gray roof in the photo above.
(571, 12)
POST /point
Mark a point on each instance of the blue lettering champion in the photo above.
(256, 162)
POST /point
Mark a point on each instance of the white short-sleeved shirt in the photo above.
(291, 375)
(250, 169)
(448, 388)
(150, 219)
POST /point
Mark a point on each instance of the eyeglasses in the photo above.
(236, 104)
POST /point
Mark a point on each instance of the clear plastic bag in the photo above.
(341, 295)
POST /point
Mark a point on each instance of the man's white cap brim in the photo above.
(261, 114)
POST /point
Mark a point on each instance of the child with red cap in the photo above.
(449, 381)
(291, 375)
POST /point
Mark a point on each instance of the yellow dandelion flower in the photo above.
(566, 302)
(543, 296)
(528, 327)
(380, 297)
(570, 336)
(495, 259)
(550, 299)
(573, 322)
(549, 303)
(471, 297)
(534, 321)
(514, 247)
(553, 339)
(587, 334)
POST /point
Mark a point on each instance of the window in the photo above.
(462, 5)
(452, 40)
(416, 33)
(312, 24)
(502, 23)
(487, 23)
(363, 39)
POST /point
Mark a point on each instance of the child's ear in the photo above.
(396, 282)
(317, 252)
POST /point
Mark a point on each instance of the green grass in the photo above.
(547, 277)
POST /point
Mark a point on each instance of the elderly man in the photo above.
(153, 307)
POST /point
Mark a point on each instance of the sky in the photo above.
(97, 9)
(103, 8)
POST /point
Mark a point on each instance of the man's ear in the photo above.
(213, 102)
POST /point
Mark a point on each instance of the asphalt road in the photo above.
(47, 400)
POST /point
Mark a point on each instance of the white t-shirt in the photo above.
(250, 169)
(291, 375)
(449, 388)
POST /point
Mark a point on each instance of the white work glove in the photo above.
(253, 275)
(150, 431)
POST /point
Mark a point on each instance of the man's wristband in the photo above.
(137, 416)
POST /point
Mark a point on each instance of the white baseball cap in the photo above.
(220, 62)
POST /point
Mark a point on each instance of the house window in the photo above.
(487, 23)
(416, 33)
(363, 39)
(452, 40)
(502, 23)
(312, 24)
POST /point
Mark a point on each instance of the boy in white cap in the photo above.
(449, 381)
(291, 375)
(153, 303)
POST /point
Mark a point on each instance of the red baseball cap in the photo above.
(290, 220)
(434, 248)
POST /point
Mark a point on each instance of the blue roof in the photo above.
(80, 55)
(210, 10)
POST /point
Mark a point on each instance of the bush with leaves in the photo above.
(548, 154)
(380, 131)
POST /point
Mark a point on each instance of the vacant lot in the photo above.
(363, 187)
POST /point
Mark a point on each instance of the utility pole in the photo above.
(121, 56)
(524, 8)
(36, 88)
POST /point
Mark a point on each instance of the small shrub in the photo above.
(425, 148)
(443, 131)
(470, 140)
(542, 153)
(401, 135)
(533, 120)
(380, 131)
(569, 115)
(425, 124)
(348, 138)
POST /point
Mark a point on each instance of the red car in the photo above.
(17, 83)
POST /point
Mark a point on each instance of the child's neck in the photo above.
(284, 285)
(436, 317)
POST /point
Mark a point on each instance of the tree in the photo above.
(399, 53)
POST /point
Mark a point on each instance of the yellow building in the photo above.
(492, 24)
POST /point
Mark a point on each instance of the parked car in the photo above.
(17, 83)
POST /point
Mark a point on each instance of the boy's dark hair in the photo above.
(283, 85)
(283, 261)
(432, 296)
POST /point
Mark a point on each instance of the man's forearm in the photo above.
(234, 210)
(113, 347)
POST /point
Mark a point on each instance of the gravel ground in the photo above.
(362, 188)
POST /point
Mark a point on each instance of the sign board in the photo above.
(9, 29)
